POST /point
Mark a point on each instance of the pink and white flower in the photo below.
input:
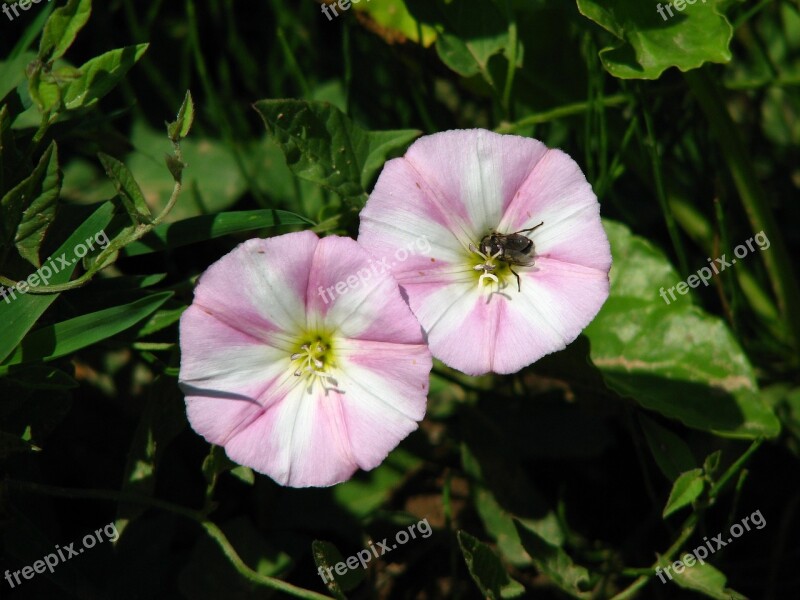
(300, 389)
(457, 187)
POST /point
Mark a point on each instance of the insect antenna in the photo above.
(529, 229)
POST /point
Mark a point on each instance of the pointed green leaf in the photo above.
(62, 27)
(327, 556)
(321, 144)
(486, 569)
(686, 489)
(208, 227)
(41, 212)
(12, 72)
(19, 312)
(672, 454)
(62, 339)
(470, 32)
(554, 562)
(100, 75)
(127, 188)
(179, 129)
(699, 577)
(29, 208)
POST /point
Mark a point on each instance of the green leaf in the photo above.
(554, 562)
(62, 339)
(672, 454)
(161, 420)
(13, 444)
(212, 184)
(127, 188)
(209, 574)
(686, 489)
(216, 463)
(649, 43)
(322, 145)
(502, 491)
(327, 556)
(700, 577)
(29, 209)
(486, 569)
(62, 27)
(674, 359)
(361, 496)
(470, 32)
(179, 129)
(12, 72)
(100, 75)
(396, 22)
(207, 227)
(18, 313)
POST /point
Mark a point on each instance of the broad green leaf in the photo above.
(100, 75)
(672, 454)
(62, 339)
(207, 227)
(699, 577)
(674, 359)
(41, 212)
(29, 208)
(486, 569)
(470, 32)
(651, 42)
(686, 489)
(327, 556)
(62, 27)
(179, 129)
(554, 562)
(321, 144)
(127, 188)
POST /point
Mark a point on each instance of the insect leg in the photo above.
(519, 283)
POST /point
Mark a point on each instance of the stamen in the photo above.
(488, 267)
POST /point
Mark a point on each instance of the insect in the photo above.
(512, 248)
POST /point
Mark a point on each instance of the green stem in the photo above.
(512, 61)
(211, 528)
(740, 164)
(633, 589)
(733, 469)
(567, 110)
(658, 177)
